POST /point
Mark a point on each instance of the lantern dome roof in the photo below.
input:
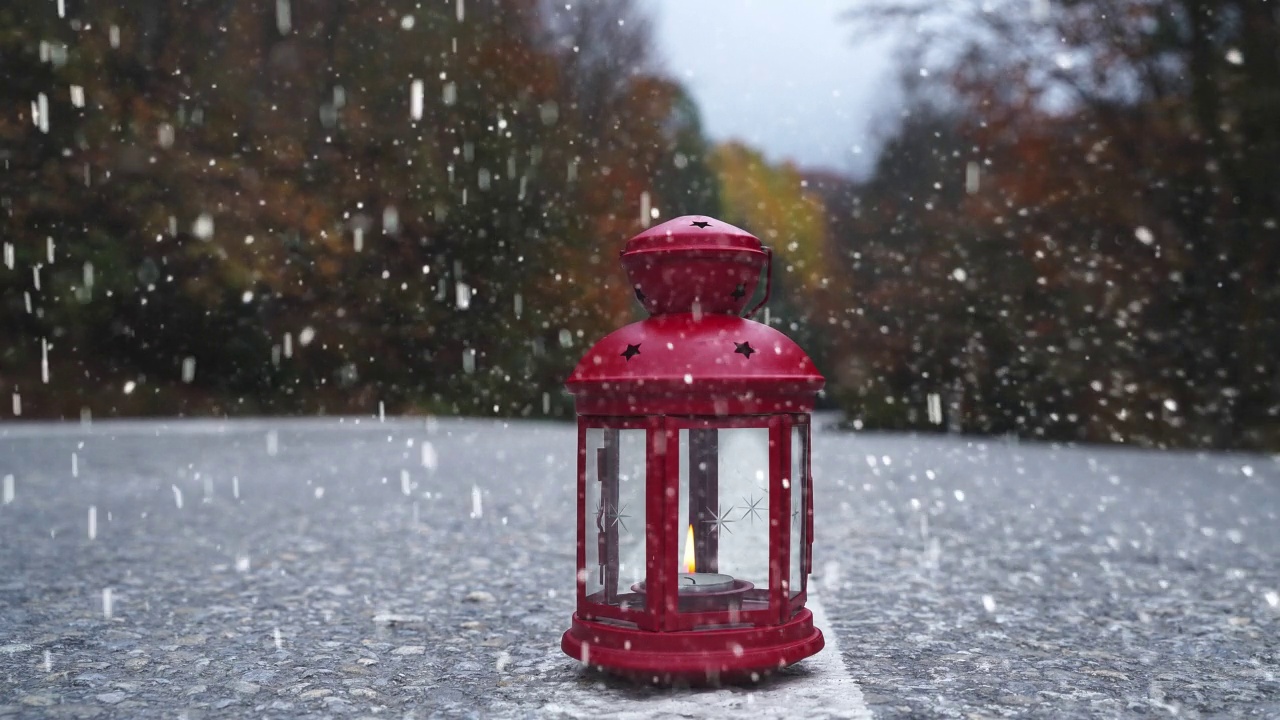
(694, 263)
(698, 364)
(693, 232)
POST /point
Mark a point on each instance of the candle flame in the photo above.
(688, 550)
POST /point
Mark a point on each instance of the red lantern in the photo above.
(695, 515)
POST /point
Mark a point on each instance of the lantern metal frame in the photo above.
(689, 378)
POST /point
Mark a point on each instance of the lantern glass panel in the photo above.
(614, 523)
(724, 518)
(799, 480)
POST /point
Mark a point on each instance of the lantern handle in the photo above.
(768, 281)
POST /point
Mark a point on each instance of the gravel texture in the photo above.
(417, 568)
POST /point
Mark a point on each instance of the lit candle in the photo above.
(692, 582)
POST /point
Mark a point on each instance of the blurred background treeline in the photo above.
(243, 207)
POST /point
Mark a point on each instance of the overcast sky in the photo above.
(786, 77)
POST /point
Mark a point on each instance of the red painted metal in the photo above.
(694, 263)
(690, 364)
(780, 516)
(768, 283)
(582, 513)
(695, 365)
(808, 498)
(700, 657)
(657, 575)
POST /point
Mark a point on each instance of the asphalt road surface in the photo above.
(415, 568)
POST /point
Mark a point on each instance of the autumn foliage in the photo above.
(323, 206)
(1074, 234)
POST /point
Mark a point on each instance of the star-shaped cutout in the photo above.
(753, 509)
(720, 519)
(744, 348)
(739, 291)
(631, 351)
(701, 223)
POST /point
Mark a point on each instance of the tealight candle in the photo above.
(696, 583)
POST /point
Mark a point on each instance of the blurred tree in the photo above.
(774, 203)
(320, 206)
(1120, 163)
(686, 183)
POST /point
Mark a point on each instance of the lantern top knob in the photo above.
(695, 263)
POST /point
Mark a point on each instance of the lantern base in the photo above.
(694, 656)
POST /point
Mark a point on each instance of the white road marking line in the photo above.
(837, 688)
(824, 690)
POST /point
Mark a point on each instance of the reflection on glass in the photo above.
(798, 478)
(615, 518)
(724, 507)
